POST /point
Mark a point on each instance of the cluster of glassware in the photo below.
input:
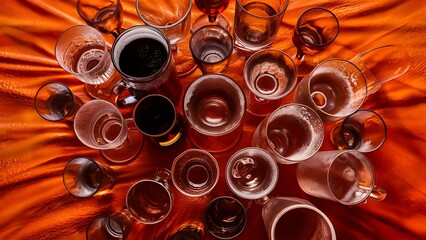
(140, 72)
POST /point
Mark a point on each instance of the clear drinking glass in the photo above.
(150, 200)
(188, 233)
(54, 101)
(335, 89)
(83, 177)
(225, 217)
(251, 173)
(214, 106)
(104, 15)
(211, 47)
(99, 124)
(270, 75)
(173, 18)
(143, 57)
(382, 64)
(345, 176)
(295, 218)
(213, 10)
(256, 23)
(195, 172)
(291, 134)
(364, 131)
(82, 51)
(114, 227)
(156, 117)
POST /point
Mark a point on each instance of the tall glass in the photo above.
(114, 227)
(214, 106)
(335, 89)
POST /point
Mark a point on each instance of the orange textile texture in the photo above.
(33, 152)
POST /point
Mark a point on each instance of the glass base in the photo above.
(203, 20)
(103, 91)
(129, 149)
(183, 58)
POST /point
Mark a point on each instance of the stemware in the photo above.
(315, 29)
(173, 18)
(213, 10)
(114, 227)
(99, 124)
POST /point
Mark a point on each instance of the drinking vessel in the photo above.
(114, 227)
(213, 10)
(187, 233)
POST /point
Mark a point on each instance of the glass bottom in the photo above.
(129, 149)
(203, 20)
(103, 91)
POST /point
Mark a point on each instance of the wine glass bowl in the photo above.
(213, 10)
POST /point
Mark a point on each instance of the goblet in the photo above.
(83, 177)
(173, 18)
(213, 10)
(364, 131)
(54, 101)
(82, 51)
(291, 134)
(99, 124)
(335, 89)
(114, 227)
(295, 218)
(316, 28)
(345, 176)
(382, 64)
(270, 75)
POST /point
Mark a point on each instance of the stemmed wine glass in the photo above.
(316, 28)
(173, 18)
(99, 124)
(213, 10)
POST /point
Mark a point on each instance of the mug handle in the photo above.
(378, 193)
(124, 98)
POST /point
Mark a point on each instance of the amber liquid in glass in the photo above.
(212, 7)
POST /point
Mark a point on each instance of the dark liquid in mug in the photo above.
(143, 57)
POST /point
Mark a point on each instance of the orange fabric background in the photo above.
(35, 205)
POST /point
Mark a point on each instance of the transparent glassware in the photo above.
(316, 28)
(225, 217)
(213, 10)
(173, 18)
(195, 172)
(84, 177)
(291, 134)
(114, 227)
(335, 89)
(344, 176)
(54, 101)
(211, 47)
(104, 15)
(295, 218)
(256, 23)
(214, 106)
(364, 131)
(98, 124)
(189, 232)
(382, 64)
(156, 117)
(82, 51)
(270, 75)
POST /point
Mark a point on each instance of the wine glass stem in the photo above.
(299, 55)
(212, 18)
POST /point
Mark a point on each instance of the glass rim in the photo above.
(280, 12)
(86, 18)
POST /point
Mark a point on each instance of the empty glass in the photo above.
(291, 134)
(364, 131)
(211, 47)
(225, 217)
(114, 227)
(256, 23)
(251, 173)
(99, 124)
(150, 200)
(54, 101)
(156, 117)
(335, 89)
(295, 218)
(195, 172)
(345, 176)
(270, 75)
(382, 64)
(83, 177)
(214, 106)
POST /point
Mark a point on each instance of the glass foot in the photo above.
(105, 90)
(183, 58)
(203, 20)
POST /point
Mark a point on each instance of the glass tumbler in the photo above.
(295, 218)
(335, 89)
(214, 106)
(256, 23)
(345, 176)
(291, 134)
(270, 75)
(114, 227)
